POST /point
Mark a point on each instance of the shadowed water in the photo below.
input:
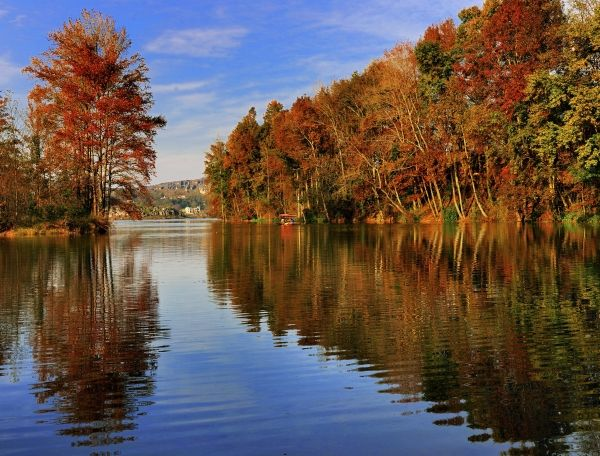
(200, 337)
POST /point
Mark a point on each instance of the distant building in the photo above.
(192, 210)
(116, 213)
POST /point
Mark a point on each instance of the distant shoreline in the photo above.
(60, 230)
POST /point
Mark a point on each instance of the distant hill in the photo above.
(187, 185)
(176, 198)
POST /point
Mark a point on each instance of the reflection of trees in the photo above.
(18, 282)
(498, 322)
(91, 321)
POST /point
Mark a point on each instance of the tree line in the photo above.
(497, 117)
(85, 143)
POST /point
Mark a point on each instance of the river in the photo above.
(198, 337)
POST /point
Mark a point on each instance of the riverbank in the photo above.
(59, 228)
(74, 228)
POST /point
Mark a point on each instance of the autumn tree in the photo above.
(436, 55)
(306, 144)
(581, 130)
(396, 131)
(562, 124)
(498, 48)
(271, 172)
(95, 98)
(241, 161)
(494, 118)
(502, 44)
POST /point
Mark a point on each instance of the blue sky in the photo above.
(211, 60)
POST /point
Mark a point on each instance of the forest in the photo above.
(85, 143)
(494, 118)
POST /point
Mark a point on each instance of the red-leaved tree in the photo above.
(96, 100)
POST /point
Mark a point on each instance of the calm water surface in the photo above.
(195, 337)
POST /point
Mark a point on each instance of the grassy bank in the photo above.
(85, 225)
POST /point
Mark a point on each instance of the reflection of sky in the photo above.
(211, 60)
(223, 389)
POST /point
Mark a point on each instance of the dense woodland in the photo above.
(85, 144)
(497, 117)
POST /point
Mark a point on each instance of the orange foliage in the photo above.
(94, 100)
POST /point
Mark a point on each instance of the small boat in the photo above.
(287, 219)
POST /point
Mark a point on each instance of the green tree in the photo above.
(217, 179)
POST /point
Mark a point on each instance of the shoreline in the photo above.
(92, 229)
(35, 232)
(59, 229)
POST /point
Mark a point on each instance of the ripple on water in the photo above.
(193, 336)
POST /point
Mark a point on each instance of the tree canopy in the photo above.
(496, 117)
(85, 144)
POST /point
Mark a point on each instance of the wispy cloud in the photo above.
(179, 86)
(3, 12)
(19, 20)
(8, 70)
(196, 120)
(390, 18)
(198, 42)
(197, 100)
(325, 70)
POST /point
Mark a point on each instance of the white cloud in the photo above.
(192, 129)
(169, 167)
(198, 42)
(179, 86)
(3, 12)
(8, 70)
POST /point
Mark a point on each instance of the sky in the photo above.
(210, 61)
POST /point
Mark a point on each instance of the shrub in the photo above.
(449, 215)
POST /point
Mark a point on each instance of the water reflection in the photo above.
(495, 328)
(90, 320)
